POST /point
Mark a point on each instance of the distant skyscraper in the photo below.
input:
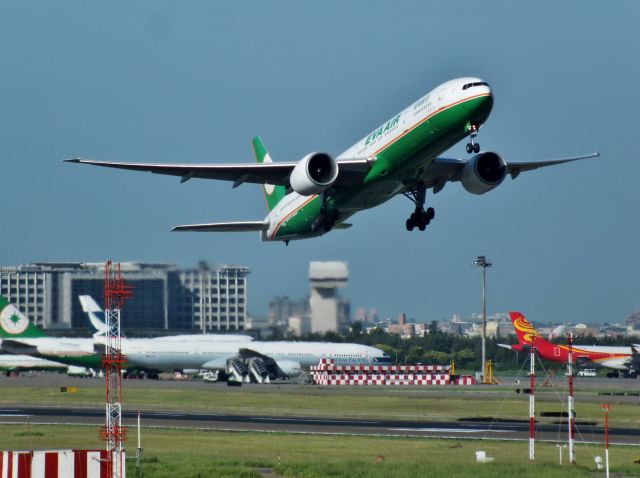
(281, 308)
(372, 316)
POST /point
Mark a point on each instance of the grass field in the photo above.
(185, 453)
(180, 453)
(432, 404)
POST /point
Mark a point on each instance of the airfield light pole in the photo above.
(572, 450)
(605, 407)
(532, 401)
(481, 261)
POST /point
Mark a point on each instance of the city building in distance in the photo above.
(329, 312)
(165, 297)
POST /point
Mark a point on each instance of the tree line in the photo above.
(439, 348)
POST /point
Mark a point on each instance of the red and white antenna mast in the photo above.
(532, 401)
(113, 432)
(572, 450)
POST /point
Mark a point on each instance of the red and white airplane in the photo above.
(618, 358)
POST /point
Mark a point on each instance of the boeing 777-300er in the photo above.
(617, 358)
(310, 197)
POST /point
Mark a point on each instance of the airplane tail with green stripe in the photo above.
(273, 194)
(14, 324)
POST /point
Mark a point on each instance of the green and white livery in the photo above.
(14, 323)
(310, 197)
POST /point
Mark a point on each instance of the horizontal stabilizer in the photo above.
(224, 227)
(505, 346)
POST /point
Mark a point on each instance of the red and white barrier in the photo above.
(329, 365)
(55, 464)
(464, 380)
(327, 373)
(15, 464)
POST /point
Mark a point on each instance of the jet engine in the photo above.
(483, 172)
(313, 174)
(288, 368)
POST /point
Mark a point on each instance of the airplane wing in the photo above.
(249, 353)
(263, 173)
(516, 168)
(279, 367)
(441, 170)
(224, 227)
(15, 347)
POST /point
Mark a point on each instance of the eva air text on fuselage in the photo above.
(392, 123)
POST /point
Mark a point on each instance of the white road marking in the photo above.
(449, 430)
(316, 420)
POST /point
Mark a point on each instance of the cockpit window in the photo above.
(478, 83)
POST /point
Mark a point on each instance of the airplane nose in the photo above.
(480, 106)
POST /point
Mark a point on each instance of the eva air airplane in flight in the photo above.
(310, 197)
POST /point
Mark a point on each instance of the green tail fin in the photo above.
(15, 324)
(272, 194)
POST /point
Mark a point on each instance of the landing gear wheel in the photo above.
(409, 225)
(419, 218)
(476, 148)
(469, 148)
(431, 213)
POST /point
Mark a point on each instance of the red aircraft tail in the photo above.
(524, 330)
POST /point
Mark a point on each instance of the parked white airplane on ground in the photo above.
(262, 360)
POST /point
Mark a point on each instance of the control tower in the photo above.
(329, 312)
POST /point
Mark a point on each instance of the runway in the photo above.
(502, 430)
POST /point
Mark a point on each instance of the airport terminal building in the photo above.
(164, 297)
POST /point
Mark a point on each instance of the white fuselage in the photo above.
(618, 359)
(170, 356)
(180, 354)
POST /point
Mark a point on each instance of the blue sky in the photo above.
(154, 81)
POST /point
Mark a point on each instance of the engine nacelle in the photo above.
(289, 368)
(483, 172)
(313, 174)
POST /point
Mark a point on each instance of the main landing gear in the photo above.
(325, 220)
(419, 218)
(472, 146)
